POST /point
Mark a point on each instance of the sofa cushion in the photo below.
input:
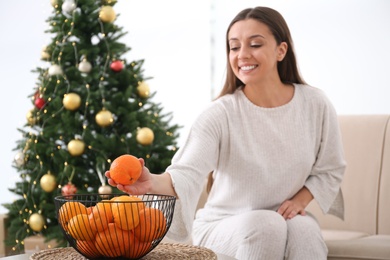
(374, 247)
(333, 234)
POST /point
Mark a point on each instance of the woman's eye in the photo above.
(256, 45)
(233, 48)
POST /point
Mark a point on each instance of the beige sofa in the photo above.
(365, 231)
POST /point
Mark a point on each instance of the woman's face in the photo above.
(254, 53)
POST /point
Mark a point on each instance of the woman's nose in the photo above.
(244, 53)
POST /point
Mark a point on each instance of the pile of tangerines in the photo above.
(123, 226)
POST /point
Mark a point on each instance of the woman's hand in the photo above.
(290, 209)
(142, 186)
(296, 205)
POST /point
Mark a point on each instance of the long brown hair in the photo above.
(287, 68)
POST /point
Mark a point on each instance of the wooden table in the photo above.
(27, 257)
(17, 257)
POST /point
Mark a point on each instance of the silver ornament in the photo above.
(69, 6)
(19, 159)
(55, 70)
(85, 66)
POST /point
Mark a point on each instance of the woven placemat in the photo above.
(165, 251)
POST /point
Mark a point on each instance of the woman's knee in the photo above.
(267, 223)
(304, 239)
(303, 225)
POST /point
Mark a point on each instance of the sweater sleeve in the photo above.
(189, 169)
(326, 176)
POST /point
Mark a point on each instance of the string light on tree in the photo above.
(116, 66)
(145, 136)
(76, 147)
(71, 101)
(109, 1)
(104, 118)
(107, 14)
(48, 182)
(143, 89)
(36, 222)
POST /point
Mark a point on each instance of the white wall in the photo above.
(342, 48)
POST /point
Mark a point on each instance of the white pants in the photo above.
(263, 234)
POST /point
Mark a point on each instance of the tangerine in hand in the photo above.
(125, 169)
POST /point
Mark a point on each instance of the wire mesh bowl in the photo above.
(114, 225)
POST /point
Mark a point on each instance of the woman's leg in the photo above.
(259, 234)
(304, 239)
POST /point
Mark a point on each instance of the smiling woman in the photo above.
(334, 46)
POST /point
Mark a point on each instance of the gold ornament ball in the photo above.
(76, 147)
(36, 222)
(44, 54)
(71, 101)
(145, 136)
(104, 118)
(143, 90)
(30, 117)
(48, 182)
(107, 14)
(54, 2)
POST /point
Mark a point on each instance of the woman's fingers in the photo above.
(289, 210)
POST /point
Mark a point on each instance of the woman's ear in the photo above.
(282, 50)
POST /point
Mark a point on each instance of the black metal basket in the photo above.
(114, 226)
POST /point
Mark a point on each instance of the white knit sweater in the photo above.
(260, 157)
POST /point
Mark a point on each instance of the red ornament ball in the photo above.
(116, 66)
(39, 102)
(36, 94)
(68, 189)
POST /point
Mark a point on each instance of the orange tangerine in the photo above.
(88, 248)
(80, 228)
(137, 249)
(125, 169)
(68, 210)
(125, 211)
(100, 216)
(113, 241)
(152, 224)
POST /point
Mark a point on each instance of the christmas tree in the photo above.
(90, 105)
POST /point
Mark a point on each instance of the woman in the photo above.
(272, 143)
